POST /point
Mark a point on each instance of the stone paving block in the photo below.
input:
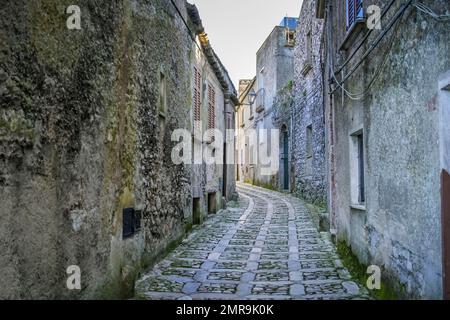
(273, 265)
(228, 288)
(228, 276)
(232, 265)
(272, 289)
(182, 273)
(185, 263)
(297, 290)
(272, 276)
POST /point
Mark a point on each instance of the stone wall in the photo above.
(398, 227)
(244, 126)
(308, 123)
(81, 139)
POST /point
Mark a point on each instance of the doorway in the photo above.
(196, 212)
(285, 158)
(212, 207)
(445, 190)
(444, 108)
(225, 172)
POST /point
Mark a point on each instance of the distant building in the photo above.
(245, 124)
(274, 71)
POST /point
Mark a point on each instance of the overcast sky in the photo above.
(238, 28)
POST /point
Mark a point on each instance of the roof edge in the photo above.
(219, 69)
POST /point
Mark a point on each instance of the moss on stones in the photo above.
(358, 271)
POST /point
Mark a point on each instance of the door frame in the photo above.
(444, 120)
(284, 157)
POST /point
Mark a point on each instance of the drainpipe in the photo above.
(331, 120)
(291, 132)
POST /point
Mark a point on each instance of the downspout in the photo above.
(291, 185)
(331, 119)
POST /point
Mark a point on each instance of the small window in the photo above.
(252, 160)
(355, 12)
(308, 48)
(290, 37)
(361, 191)
(309, 143)
(131, 222)
(357, 178)
(307, 65)
(247, 150)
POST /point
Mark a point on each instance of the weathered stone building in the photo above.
(244, 124)
(86, 175)
(214, 102)
(387, 121)
(307, 112)
(274, 71)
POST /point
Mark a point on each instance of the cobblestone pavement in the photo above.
(266, 247)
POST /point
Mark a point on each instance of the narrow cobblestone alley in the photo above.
(266, 247)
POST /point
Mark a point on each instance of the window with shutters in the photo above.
(211, 107)
(197, 95)
(355, 12)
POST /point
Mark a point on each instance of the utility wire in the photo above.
(361, 95)
(366, 36)
(425, 9)
(358, 96)
(395, 20)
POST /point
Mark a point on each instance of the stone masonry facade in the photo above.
(308, 123)
(364, 107)
(84, 135)
(385, 139)
(89, 123)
